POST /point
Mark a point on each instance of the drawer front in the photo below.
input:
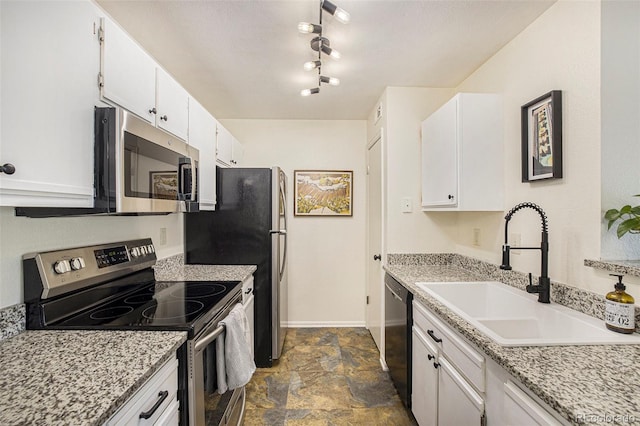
(155, 396)
(520, 408)
(464, 358)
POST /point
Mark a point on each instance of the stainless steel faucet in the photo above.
(544, 283)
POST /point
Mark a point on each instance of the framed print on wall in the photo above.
(164, 185)
(542, 138)
(323, 193)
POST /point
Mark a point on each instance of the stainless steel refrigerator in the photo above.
(249, 227)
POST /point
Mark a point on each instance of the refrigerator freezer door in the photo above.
(279, 261)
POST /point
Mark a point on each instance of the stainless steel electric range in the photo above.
(112, 287)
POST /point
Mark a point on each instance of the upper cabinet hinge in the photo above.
(100, 80)
(100, 34)
(367, 300)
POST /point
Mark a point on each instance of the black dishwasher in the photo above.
(398, 319)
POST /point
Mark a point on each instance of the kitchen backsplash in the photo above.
(12, 320)
(580, 300)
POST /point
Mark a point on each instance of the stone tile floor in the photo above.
(326, 376)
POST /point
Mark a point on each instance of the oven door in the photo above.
(206, 405)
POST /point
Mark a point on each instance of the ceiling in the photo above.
(243, 58)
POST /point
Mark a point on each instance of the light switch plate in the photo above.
(406, 205)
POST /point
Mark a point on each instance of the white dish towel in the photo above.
(237, 364)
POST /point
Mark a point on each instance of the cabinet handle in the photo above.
(436, 365)
(450, 197)
(8, 169)
(377, 257)
(248, 291)
(433, 336)
(164, 117)
(430, 357)
(161, 397)
(153, 111)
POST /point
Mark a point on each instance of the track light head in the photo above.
(309, 92)
(339, 13)
(330, 80)
(311, 65)
(308, 28)
(322, 44)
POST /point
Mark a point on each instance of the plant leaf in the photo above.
(636, 211)
(626, 209)
(612, 214)
(628, 225)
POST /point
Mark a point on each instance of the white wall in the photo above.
(560, 50)
(20, 235)
(326, 254)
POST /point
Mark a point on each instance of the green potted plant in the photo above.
(630, 217)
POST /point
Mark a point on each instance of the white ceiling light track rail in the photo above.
(322, 45)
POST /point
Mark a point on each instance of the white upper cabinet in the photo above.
(131, 79)
(202, 135)
(49, 68)
(462, 161)
(229, 150)
(172, 104)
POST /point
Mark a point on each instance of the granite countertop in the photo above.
(576, 381)
(174, 269)
(68, 377)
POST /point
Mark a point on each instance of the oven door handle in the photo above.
(204, 341)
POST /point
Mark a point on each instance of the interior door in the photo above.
(375, 293)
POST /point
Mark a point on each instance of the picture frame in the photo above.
(323, 193)
(542, 138)
(163, 185)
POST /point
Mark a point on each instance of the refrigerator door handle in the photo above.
(281, 232)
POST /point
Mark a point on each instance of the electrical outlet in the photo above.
(163, 236)
(476, 237)
(406, 205)
(515, 240)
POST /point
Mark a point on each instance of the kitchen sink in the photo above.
(512, 317)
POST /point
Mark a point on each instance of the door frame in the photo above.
(378, 138)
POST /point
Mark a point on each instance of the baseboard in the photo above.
(317, 324)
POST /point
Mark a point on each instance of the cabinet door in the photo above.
(128, 73)
(172, 105)
(49, 69)
(521, 409)
(238, 153)
(202, 136)
(424, 381)
(440, 157)
(224, 151)
(458, 402)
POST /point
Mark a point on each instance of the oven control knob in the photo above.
(143, 250)
(135, 252)
(61, 266)
(151, 249)
(77, 263)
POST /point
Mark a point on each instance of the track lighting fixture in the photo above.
(308, 92)
(307, 28)
(311, 65)
(322, 45)
(340, 14)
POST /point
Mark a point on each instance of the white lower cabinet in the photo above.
(447, 375)
(453, 384)
(155, 403)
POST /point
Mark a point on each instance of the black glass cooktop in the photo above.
(155, 305)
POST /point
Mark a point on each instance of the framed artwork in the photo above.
(542, 138)
(323, 193)
(164, 185)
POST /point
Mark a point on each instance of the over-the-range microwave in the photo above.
(138, 169)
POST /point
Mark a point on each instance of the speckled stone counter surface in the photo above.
(12, 321)
(174, 269)
(77, 377)
(624, 267)
(576, 381)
